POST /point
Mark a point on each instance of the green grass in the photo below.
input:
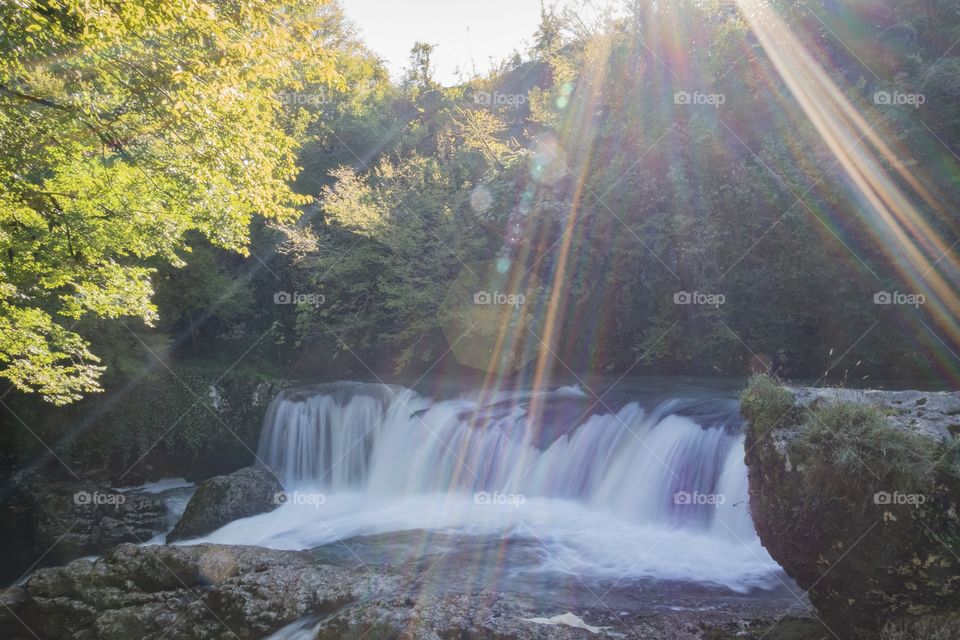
(767, 402)
(849, 449)
(852, 446)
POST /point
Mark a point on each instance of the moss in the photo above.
(815, 476)
(851, 450)
(767, 403)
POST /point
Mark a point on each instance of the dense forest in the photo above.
(701, 187)
(303, 209)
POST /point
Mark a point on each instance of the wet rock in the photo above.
(223, 499)
(496, 616)
(476, 616)
(216, 592)
(201, 592)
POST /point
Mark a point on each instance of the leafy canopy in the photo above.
(123, 126)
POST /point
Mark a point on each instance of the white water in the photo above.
(160, 486)
(599, 495)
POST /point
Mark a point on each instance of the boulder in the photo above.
(201, 592)
(855, 494)
(223, 499)
(57, 521)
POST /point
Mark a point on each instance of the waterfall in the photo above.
(651, 466)
(597, 484)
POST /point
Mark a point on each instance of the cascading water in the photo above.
(652, 490)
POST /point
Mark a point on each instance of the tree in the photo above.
(549, 35)
(124, 126)
(420, 73)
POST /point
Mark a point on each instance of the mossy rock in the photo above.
(223, 499)
(857, 500)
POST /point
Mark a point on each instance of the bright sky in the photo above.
(466, 32)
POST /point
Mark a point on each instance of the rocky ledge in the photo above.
(196, 592)
(855, 494)
(216, 592)
(54, 521)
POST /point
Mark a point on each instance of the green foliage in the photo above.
(394, 237)
(420, 72)
(124, 127)
(171, 420)
(140, 142)
(656, 199)
(205, 299)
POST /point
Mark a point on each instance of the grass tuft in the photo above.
(767, 402)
